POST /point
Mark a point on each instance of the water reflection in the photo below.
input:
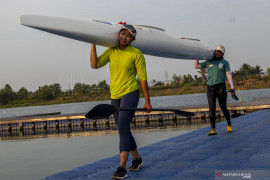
(67, 133)
(100, 129)
(47, 154)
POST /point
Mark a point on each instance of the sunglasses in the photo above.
(131, 28)
(219, 51)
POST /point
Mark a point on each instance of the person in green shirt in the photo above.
(217, 69)
(125, 63)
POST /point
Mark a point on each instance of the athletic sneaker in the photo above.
(121, 173)
(213, 132)
(229, 128)
(136, 164)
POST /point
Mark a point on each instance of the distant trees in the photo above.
(103, 86)
(22, 94)
(6, 95)
(84, 89)
(48, 92)
(268, 71)
(159, 83)
(51, 92)
(266, 78)
(203, 73)
(81, 89)
(187, 78)
(176, 80)
(247, 70)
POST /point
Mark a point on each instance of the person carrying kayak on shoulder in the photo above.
(125, 63)
(217, 69)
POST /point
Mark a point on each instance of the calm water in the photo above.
(38, 156)
(162, 101)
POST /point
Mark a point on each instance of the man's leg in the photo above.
(211, 96)
(222, 99)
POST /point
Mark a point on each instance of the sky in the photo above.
(31, 58)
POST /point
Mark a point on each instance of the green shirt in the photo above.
(124, 66)
(216, 70)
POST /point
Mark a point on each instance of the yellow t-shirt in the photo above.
(124, 66)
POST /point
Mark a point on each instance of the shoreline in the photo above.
(105, 96)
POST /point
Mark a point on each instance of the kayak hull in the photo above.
(150, 40)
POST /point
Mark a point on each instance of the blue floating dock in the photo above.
(195, 155)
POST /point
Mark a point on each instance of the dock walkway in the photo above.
(196, 155)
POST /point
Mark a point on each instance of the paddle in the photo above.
(105, 110)
(232, 91)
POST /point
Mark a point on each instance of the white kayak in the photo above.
(150, 40)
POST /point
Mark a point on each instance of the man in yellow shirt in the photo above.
(125, 63)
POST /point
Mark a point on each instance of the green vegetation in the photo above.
(247, 77)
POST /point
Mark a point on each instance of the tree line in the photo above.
(245, 71)
(53, 91)
(48, 92)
